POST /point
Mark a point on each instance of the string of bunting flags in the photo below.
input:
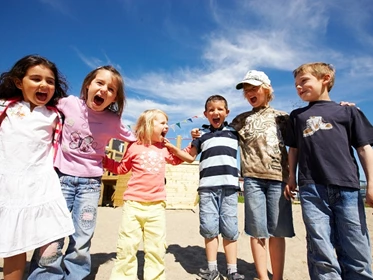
(178, 124)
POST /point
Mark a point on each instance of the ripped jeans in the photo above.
(48, 262)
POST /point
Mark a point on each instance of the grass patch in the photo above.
(241, 199)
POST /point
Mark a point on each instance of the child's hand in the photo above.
(290, 189)
(195, 133)
(289, 193)
(346, 103)
(168, 144)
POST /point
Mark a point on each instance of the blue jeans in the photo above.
(218, 213)
(338, 245)
(82, 195)
(267, 212)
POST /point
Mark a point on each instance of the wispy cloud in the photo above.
(91, 62)
(270, 35)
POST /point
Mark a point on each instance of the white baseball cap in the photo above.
(255, 78)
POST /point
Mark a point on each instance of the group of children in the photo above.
(48, 170)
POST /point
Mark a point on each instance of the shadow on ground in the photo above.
(192, 258)
(97, 260)
(101, 258)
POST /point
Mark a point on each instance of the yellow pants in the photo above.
(141, 221)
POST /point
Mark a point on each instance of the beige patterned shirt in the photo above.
(261, 138)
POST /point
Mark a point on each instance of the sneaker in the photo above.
(206, 274)
(235, 276)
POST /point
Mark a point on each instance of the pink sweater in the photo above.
(85, 135)
(147, 163)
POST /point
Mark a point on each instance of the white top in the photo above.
(33, 211)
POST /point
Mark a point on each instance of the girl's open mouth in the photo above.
(42, 96)
(98, 100)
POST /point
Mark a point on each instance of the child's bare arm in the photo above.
(291, 185)
(366, 159)
(182, 154)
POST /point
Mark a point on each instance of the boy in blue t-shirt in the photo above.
(321, 136)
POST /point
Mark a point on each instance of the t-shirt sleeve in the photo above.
(289, 135)
(197, 144)
(62, 103)
(125, 134)
(125, 165)
(238, 122)
(361, 129)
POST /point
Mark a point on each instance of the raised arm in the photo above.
(188, 154)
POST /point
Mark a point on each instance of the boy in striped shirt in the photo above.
(218, 187)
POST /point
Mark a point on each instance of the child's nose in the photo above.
(43, 85)
(104, 88)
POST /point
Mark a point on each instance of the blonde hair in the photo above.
(145, 125)
(268, 89)
(318, 70)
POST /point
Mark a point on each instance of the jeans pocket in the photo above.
(89, 185)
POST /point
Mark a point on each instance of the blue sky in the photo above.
(173, 54)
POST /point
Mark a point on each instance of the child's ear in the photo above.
(18, 83)
(326, 79)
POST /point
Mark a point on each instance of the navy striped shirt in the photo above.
(218, 162)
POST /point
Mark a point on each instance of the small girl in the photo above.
(144, 206)
(90, 122)
(33, 210)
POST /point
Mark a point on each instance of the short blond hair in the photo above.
(145, 125)
(319, 70)
(269, 90)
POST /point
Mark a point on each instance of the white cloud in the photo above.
(267, 34)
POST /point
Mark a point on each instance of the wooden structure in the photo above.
(181, 187)
(182, 184)
(109, 185)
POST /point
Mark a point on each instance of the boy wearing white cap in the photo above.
(264, 166)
